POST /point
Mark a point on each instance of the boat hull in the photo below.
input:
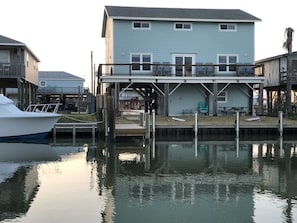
(36, 125)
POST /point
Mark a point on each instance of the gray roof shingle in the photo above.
(190, 14)
(8, 41)
(5, 41)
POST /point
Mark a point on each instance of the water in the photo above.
(172, 180)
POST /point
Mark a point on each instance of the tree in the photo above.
(288, 46)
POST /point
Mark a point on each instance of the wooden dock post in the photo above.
(154, 123)
(147, 125)
(237, 124)
(280, 115)
(196, 124)
(110, 119)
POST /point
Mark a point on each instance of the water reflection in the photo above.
(19, 180)
(175, 180)
(209, 181)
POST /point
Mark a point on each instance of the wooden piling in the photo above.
(110, 119)
(237, 124)
(280, 115)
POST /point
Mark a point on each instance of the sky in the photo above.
(63, 33)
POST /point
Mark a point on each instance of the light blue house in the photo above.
(59, 82)
(63, 87)
(180, 60)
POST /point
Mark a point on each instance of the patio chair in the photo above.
(203, 108)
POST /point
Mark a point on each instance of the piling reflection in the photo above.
(208, 180)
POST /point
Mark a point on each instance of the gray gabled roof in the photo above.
(5, 41)
(176, 14)
(58, 75)
(191, 14)
(274, 57)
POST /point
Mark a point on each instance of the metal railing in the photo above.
(184, 70)
(61, 90)
(52, 107)
(9, 70)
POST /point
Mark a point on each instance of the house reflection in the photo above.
(19, 182)
(198, 178)
(18, 191)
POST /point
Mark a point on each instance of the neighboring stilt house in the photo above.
(275, 73)
(180, 60)
(18, 71)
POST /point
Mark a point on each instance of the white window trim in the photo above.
(228, 30)
(182, 29)
(141, 56)
(42, 83)
(184, 55)
(227, 63)
(226, 97)
(141, 28)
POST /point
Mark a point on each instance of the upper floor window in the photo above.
(228, 27)
(141, 25)
(183, 26)
(227, 63)
(141, 61)
(4, 56)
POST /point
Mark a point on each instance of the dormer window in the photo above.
(231, 27)
(183, 26)
(141, 25)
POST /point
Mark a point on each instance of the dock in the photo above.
(129, 130)
(207, 124)
(127, 126)
(74, 128)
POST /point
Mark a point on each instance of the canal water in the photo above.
(178, 180)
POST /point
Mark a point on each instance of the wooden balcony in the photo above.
(178, 70)
(9, 70)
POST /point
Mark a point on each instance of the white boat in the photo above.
(15, 123)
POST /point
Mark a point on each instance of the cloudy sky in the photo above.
(62, 33)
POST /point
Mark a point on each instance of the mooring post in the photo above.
(280, 114)
(147, 125)
(154, 123)
(55, 131)
(237, 124)
(110, 119)
(196, 124)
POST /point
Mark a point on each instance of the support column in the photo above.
(110, 119)
(215, 99)
(166, 99)
(116, 98)
(260, 100)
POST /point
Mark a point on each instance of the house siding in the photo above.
(205, 40)
(187, 97)
(31, 67)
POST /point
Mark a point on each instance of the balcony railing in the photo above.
(9, 70)
(181, 70)
(283, 77)
(60, 90)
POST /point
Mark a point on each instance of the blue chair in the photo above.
(203, 108)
